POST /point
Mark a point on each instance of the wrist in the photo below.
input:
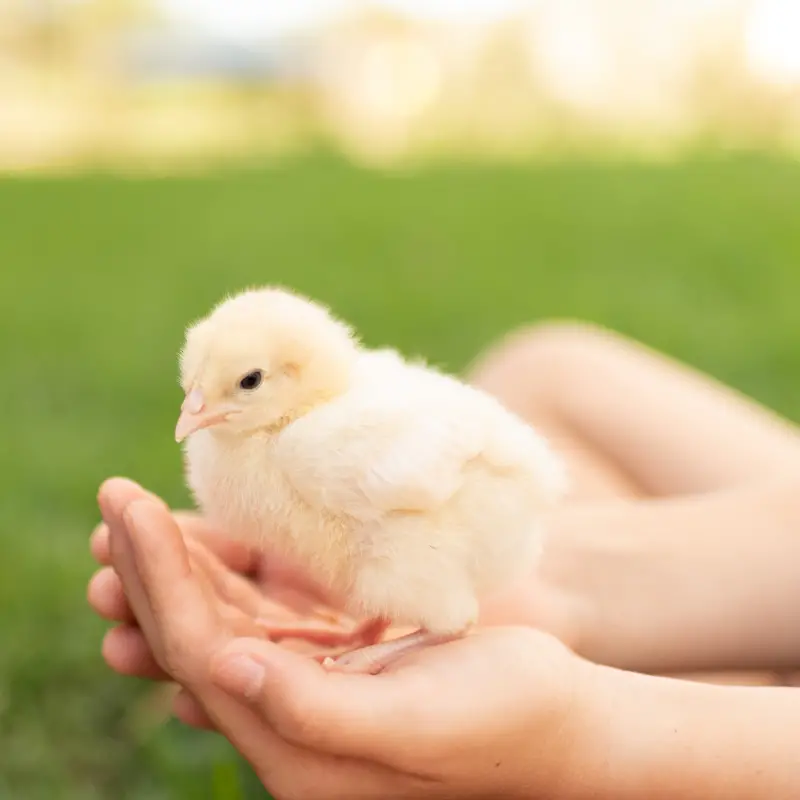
(579, 571)
(666, 739)
(596, 733)
(560, 755)
(630, 740)
(678, 586)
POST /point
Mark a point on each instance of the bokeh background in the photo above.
(439, 171)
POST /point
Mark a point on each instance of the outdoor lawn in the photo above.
(99, 275)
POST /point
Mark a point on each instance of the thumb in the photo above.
(274, 682)
(306, 705)
(251, 668)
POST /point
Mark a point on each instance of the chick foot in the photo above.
(374, 658)
(332, 635)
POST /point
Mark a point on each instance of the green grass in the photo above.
(99, 275)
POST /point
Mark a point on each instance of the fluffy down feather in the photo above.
(406, 492)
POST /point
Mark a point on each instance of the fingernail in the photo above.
(100, 530)
(156, 499)
(131, 515)
(137, 514)
(240, 674)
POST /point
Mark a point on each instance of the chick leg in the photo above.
(332, 635)
(374, 658)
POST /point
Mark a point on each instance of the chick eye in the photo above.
(252, 380)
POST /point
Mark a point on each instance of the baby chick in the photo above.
(404, 491)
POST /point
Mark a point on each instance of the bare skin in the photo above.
(375, 658)
(631, 422)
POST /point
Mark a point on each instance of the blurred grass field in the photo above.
(99, 275)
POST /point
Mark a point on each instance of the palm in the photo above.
(247, 586)
(192, 603)
(252, 593)
(236, 603)
(278, 602)
(275, 597)
(241, 588)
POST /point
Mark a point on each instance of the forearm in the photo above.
(654, 738)
(703, 583)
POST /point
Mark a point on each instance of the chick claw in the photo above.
(333, 635)
(374, 658)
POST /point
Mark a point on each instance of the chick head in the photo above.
(259, 360)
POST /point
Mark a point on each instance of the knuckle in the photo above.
(554, 340)
(541, 347)
(170, 660)
(174, 655)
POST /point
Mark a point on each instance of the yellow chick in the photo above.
(406, 492)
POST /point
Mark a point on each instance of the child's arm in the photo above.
(704, 583)
(677, 740)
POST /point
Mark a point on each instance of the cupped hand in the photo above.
(272, 574)
(247, 585)
(496, 714)
(251, 585)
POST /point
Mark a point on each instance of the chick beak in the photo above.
(195, 416)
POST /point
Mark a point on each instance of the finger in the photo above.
(114, 492)
(293, 772)
(127, 652)
(114, 497)
(98, 545)
(234, 555)
(190, 712)
(338, 713)
(123, 491)
(185, 621)
(276, 574)
(107, 597)
(287, 770)
(230, 586)
(162, 558)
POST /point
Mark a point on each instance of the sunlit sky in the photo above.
(773, 40)
(772, 35)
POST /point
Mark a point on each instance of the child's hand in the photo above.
(251, 585)
(247, 585)
(500, 713)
